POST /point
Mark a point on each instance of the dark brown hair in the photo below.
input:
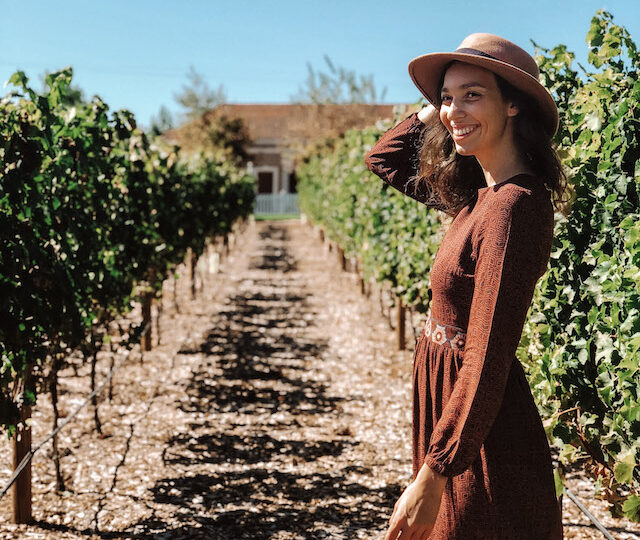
(456, 178)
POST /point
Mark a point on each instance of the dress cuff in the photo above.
(415, 122)
(437, 466)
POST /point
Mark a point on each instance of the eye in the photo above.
(445, 98)
(473, 94)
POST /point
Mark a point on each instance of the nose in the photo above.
(455, 110)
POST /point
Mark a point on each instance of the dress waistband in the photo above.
(448, 334)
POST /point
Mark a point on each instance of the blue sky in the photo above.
(136, 53)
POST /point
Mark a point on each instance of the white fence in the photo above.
(276, 203)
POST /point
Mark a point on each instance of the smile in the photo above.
(463, 132)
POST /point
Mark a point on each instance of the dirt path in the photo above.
(276, 407)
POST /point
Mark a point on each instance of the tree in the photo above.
(162, 122)
(205, 129)
(197, 98)
(229, 136)
(339, 86)
(217, 136)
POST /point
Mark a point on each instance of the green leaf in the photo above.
(19, 78)
(558, 481)
(624, 468)
(631, 508)
(592, 121)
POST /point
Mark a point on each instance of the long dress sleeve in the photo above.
(395, 159)
(514, 250)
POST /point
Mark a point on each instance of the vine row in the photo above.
(581, 342)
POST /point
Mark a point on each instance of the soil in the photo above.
(276, 405)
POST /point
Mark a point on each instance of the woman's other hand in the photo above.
(414, 514)
(425, 114)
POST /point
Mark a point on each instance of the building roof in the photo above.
(303, 121)
(300, 123)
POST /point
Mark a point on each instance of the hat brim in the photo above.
(425, 72)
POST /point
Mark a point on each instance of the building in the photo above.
(279, 132)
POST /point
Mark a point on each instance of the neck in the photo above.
(502, 162)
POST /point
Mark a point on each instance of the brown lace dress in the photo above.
(474, 417)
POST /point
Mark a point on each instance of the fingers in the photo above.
(426, 113)
(395, 528)
(392, 532)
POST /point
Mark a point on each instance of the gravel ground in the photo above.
(275, 407)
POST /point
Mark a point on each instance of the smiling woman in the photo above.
(460, 142)
(481, 461)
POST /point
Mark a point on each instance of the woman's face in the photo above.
(473, 110)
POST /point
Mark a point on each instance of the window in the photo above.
(293, 183)
(265, 182)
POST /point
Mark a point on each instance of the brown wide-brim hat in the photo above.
(496, 54)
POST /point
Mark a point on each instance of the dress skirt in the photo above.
(508, 491)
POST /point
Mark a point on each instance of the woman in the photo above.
(482, 466)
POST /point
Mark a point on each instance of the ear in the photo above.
(513, 109)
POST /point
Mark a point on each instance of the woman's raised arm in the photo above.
(395, 159)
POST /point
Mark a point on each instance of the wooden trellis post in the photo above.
(192, 262)
(341, 258)
(360, 275)
(400, 312)
(146, 319)
(21, 446)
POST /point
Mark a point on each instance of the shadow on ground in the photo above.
(257, 364)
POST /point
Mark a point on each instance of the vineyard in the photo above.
(581, 344)
(94, 216)
(173, 368)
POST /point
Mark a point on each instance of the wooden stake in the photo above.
(146, 320)
(158, 315)
(342, 259)
(21, 446)
(53, 388)
(175, 292)
(360, 276)
(112, 361)
(380, 291)
(192, 262)
(94, 399)
(400, 324)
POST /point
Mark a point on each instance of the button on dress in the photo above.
(474, 417)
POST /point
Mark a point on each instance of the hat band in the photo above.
(467, 50)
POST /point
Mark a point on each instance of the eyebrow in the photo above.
(466, 85)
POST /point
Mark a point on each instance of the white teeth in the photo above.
(463, 131)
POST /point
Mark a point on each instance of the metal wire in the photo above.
(585, 511)
(29, 456)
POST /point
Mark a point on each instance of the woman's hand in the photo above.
(425, 114)
(414, 514)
